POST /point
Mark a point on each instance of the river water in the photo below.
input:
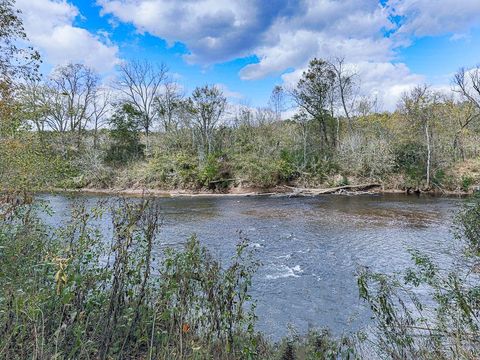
(310, 248)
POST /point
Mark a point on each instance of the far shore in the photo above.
(279, 191)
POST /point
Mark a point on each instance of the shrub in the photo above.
(467, 181)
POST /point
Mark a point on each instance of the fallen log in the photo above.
(314, 192)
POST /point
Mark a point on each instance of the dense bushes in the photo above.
(27, 163)
(79, 295)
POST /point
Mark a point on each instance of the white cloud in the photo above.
(229, 94)
(384, 80)
(436, 17)
(387, 81)
(286, 34)
(213, 30)
(49, 26)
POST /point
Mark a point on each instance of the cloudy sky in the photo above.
(248, 46)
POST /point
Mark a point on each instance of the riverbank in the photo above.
(286, 191)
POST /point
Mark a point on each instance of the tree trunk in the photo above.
(304, 146)
(429, 153)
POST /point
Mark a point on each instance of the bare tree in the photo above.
(207, 106)
(277, 101)
(243, 115)
(56, 109)
(345, 81)
(467, 84)
(264, 116)
(169, 106)
(419, 106)
(35, 108)
(101, 107)
(140, 83)
(366, 106)
(461, 116)
(77, 85)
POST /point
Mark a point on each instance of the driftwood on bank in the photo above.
(334, 190)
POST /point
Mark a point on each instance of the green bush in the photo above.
(27, 164)
(410, 159)
(467, 181)
(172, 170)
(216, 172)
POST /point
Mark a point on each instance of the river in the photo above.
(310, 248)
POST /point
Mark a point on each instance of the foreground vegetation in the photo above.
(75, 292)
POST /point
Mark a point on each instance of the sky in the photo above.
(248, 46)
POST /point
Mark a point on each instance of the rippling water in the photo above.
(310, 248)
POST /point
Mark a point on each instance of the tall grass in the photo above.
(71, 294)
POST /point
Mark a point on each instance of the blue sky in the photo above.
(248, 46)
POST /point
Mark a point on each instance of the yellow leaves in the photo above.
(61, 277)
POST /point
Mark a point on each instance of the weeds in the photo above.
(70, 294)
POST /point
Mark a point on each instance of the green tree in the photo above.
(312, 95)
(125, 136)
(207, 106)
(17, 61)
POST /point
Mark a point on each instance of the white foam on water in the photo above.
(284, 271)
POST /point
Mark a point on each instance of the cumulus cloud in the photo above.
(214, 31)
(436, 17)
(284, 34)
(49, 25)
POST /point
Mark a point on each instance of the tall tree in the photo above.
(467, 84)
(125, 146)
(302, 120)
(31, 97)
(169, 106)
(101, 106)
(312, 95)
(419, 106)
(345, 83)
(77, 83)
(277, 101)
(75, 86)
(140, 82)
(207, 106)
(17, 61)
